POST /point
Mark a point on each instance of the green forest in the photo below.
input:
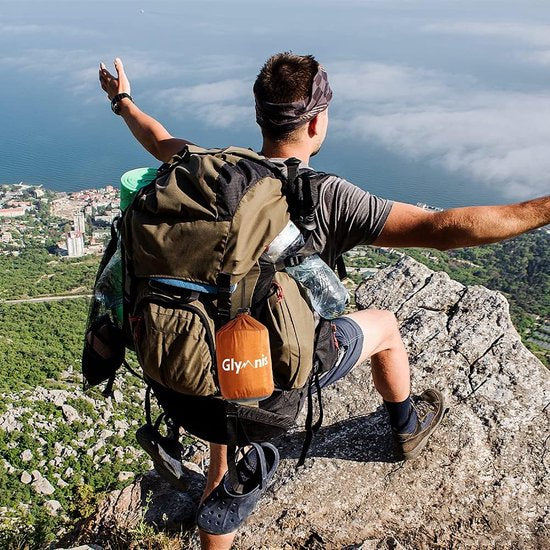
(39, 340)
(35, 272)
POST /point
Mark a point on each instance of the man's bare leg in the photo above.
(389, 361)
(391, 376)
(216, 471)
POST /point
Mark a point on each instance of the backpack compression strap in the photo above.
(224, 299)
(341, 268)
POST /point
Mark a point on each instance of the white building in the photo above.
(75, 244)
(13, 212)
(80, 222)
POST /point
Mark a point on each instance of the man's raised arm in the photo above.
(148, 131)
(409, 225)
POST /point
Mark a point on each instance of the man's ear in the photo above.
(313, 126)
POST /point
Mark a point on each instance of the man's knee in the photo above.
(380, 330)
(383, 320)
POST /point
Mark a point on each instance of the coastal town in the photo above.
(66, 224)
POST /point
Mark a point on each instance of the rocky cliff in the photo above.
(481, 482)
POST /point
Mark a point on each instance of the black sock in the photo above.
(402, 415)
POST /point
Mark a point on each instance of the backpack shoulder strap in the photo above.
(341, 268)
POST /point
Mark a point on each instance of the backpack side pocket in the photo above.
(103, 351)
(176, 347)
(291, 326)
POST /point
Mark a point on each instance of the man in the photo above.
(292, 96)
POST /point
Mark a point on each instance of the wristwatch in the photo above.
(115, 102)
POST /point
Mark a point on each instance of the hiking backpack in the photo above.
(191, 244)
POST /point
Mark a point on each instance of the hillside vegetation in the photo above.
(84, 445)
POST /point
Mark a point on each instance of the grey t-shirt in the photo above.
(347, 216)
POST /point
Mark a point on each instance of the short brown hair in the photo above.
(285, 78)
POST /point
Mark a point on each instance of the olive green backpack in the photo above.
(192, 242)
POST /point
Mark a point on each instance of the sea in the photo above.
(438, 102)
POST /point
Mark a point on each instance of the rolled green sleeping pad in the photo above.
(133, 180)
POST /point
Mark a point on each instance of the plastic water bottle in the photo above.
(327, 295)
(109, 286)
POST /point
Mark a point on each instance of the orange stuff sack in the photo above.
(244, 360)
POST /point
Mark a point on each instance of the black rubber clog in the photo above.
(224, 510)
(166, 454)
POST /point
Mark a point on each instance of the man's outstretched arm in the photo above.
(148, 131)
(409, 225)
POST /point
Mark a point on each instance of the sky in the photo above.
(445, 102)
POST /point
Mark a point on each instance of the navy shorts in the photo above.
(350, 344)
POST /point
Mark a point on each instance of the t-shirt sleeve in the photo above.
(348, 216)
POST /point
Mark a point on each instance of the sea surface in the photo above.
(431, 99)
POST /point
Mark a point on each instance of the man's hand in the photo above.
(111, 84)
(148, 131)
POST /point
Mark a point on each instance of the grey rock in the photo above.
(118, 452)
(121, 425)
(125, 476)
(26, 478)
(43, 486)
(52, 507)
(70, 413)
(481, 482)
(9, 421)
(26, 455)
(58, 449)
(10, 469)
(151, 499)
(83, 547)
(118, 397)
(60, 482)
(105, 434)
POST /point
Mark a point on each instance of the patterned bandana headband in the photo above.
(288, 116)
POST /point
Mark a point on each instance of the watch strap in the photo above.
(115, 102)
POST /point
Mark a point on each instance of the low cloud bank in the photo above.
(499, 138)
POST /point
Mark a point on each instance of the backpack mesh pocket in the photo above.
(103, 351)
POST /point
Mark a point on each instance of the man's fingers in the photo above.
(119, 66)
(123, 82)
(104, 73)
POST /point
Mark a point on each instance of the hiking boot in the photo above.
(430, 409)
